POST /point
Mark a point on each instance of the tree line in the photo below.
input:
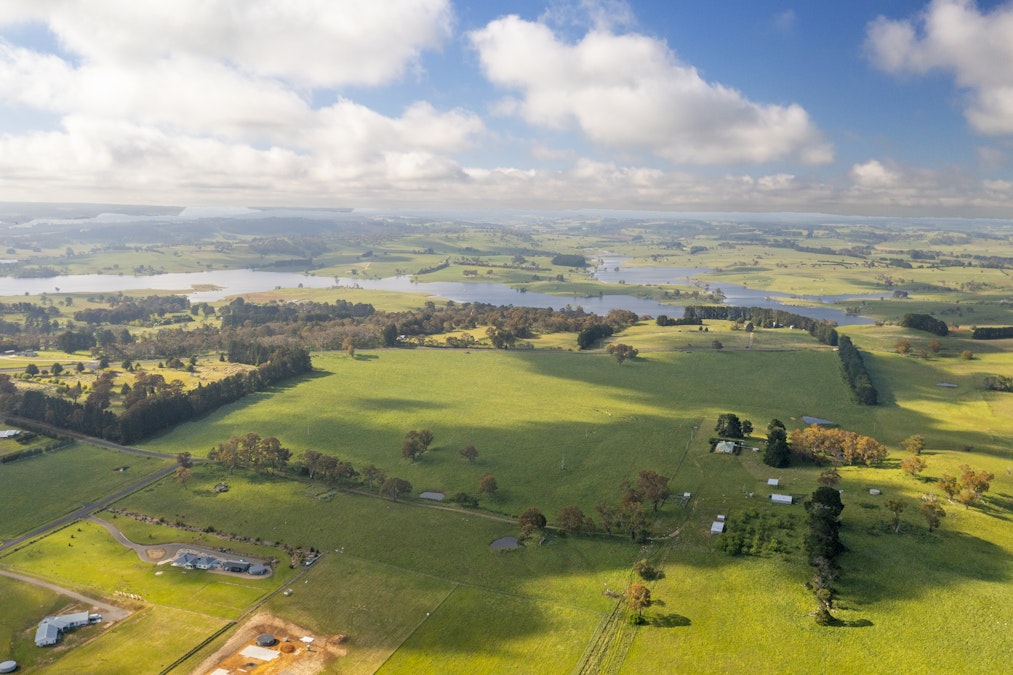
(855, 372)
(823, 331)
(153, 404)
(992, 333)
(925, 322)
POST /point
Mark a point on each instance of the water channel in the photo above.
(217, 285)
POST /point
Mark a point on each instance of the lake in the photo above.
(214, 285)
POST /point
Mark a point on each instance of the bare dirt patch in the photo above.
(293, 657)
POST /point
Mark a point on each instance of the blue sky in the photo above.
(859, 107)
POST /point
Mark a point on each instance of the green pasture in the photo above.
(452, 545)
(554, 428)
(146, 642)
(387, 564)
(377, 606)
(905, 599)
(22, 606)
(85, 556)
(41, 489)
(518, 635)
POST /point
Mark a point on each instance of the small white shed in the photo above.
(780, 499)
(773, 482)
(717, 527)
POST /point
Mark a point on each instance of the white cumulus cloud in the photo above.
(630, 92)
(957, 37)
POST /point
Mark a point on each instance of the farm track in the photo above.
(610, 643)
(110, 612)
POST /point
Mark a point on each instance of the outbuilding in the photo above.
(773, 482)
(258, 570)
(717, 527)
(780, 499)
(266, 640)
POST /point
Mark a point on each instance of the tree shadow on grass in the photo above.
(997, 504)
(366, 357)
(670, 620)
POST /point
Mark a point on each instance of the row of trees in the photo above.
(837, 446)
(925, 322)
(855, 372)
(823, 331)
(992, 333)
(153, 404)
(822, 546)
(263, 455)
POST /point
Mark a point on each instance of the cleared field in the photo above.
(41, 489)
(147, 642)
(517, 636)
(22, 606)
(85, 556)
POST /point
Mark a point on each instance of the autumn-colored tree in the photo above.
(571, 519)
(913, 465)
(184, 459)
(895, 505)
(531, 520)
(394, 487)
(972, 485)
(903, 347)
(487, 485)
(933, 513)
(949, 485)
(654, 487)
(469, 453)
(310, 461)
(837, 445)
(183, 474)
(638, 598)
(829, 478)
(914, 444)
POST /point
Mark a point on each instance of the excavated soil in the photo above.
(293, 657)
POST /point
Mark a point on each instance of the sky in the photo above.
(859, 107)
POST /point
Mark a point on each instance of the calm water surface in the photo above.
(216, 285)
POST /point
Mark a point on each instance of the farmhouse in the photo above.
(52, 627)
(192, 561)
(725, 447)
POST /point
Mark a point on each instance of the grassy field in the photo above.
(416, 587)
(41, 489)
(553, 428)
(23, 605)
(85, 555)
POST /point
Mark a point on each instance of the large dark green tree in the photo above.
(776, 453)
